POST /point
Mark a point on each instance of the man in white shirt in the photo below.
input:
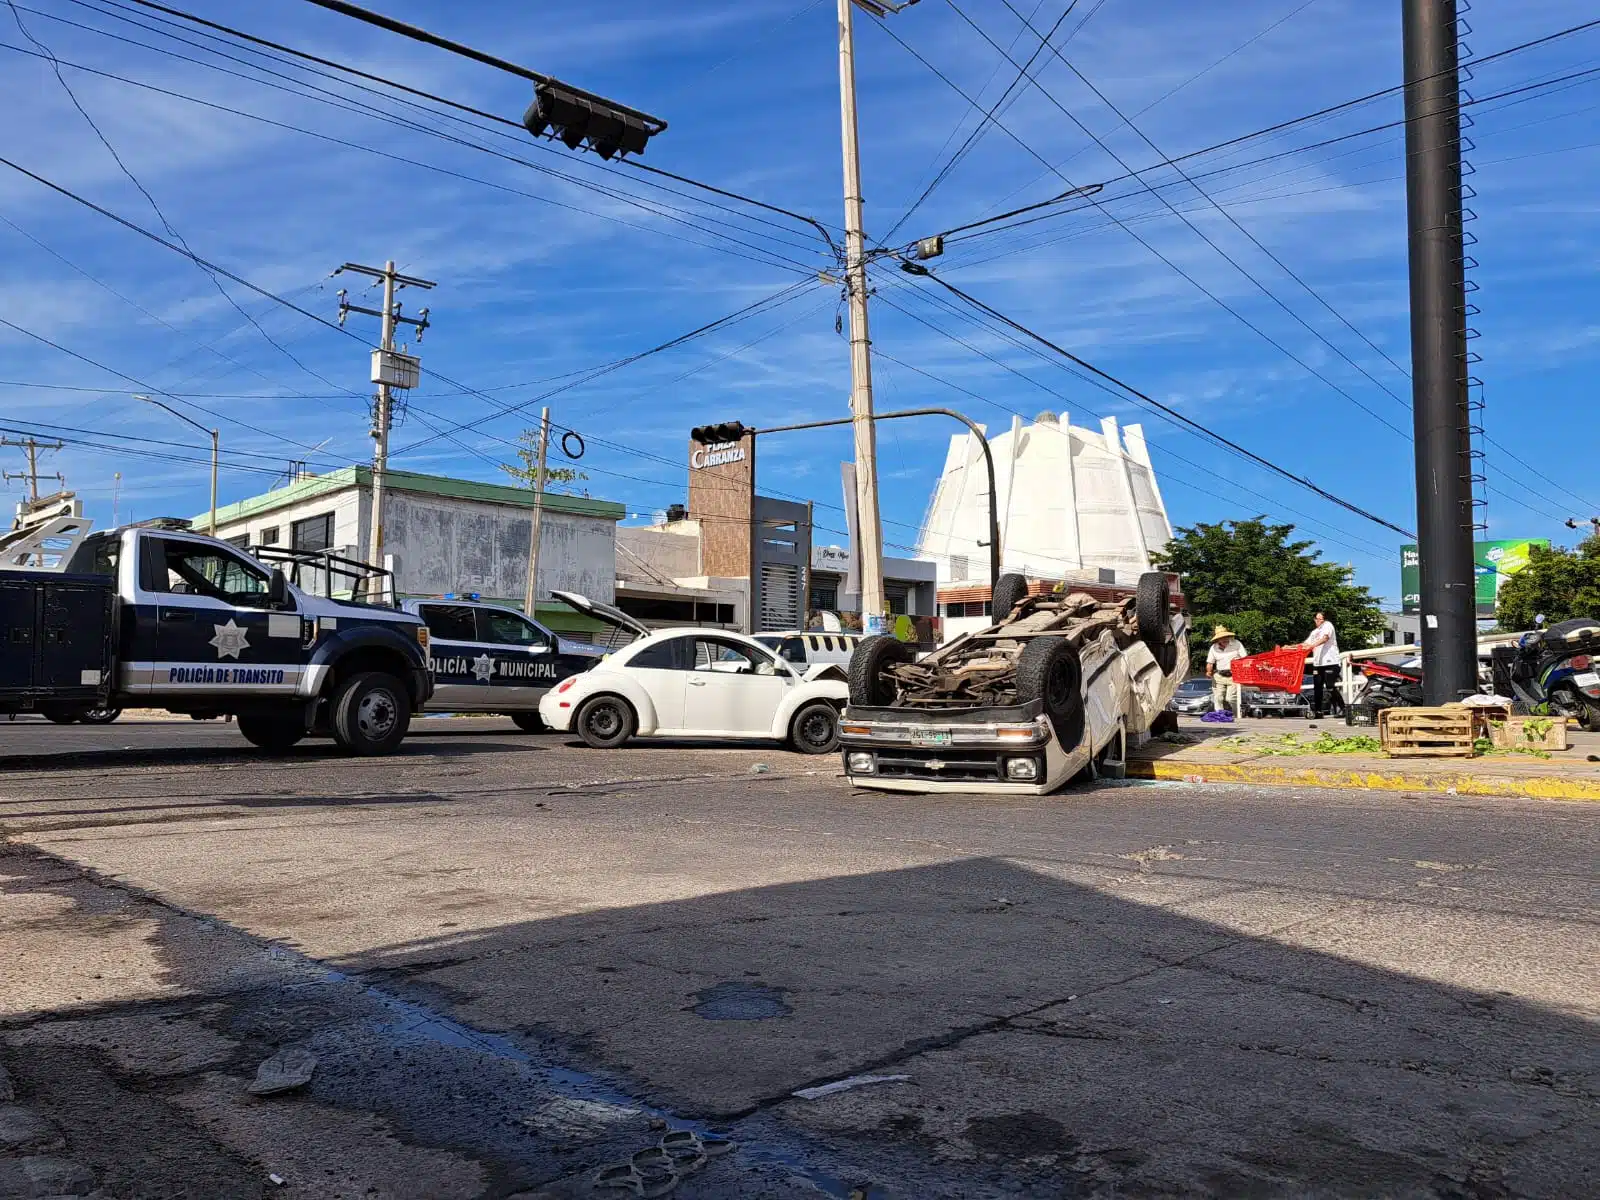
(1225, 647)
(1324, 646)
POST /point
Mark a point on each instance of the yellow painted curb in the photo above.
(1539, 787)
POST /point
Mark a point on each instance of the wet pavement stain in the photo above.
(1020, 1135)
(736, 1001)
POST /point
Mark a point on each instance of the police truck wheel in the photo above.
(1009, 591)
(370, 713)
(274, 734)
(1048, 670)
(869, 686)
(605, 722)
(815, 729)
(100, 716)
(1153, 606)
(529, 722)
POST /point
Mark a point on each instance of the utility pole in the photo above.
(390, 370)
(1441, 416)
(530, 596)
(869, 524)
(216, 451)
(31, 446)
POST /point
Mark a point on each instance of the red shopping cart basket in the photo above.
(1279, 670)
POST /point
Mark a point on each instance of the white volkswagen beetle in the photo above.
(694, 682)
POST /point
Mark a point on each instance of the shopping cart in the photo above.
(1279, 670)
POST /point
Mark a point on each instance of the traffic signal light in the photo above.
(716, 435)
(576, 119)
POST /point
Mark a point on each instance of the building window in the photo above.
(897, 597)
(269, 536)
(973, 608)
(313, 533)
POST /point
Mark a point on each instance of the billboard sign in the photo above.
(1492, 564)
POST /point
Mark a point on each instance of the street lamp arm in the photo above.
(216, 451)
(983, 443)
(176, 413)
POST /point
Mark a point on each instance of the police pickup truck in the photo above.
(157, 616)
(491, 659)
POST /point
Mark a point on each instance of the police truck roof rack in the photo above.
(369, 584)
(169, 524)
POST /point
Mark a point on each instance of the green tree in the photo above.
(1557, 583)
(1249, 576)
(524, 471)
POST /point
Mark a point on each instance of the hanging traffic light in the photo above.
(574, 118)
(717, 435)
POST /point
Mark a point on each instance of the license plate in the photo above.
(1587, 679)
(930, 737)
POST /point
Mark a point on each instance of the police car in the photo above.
(158, 616)
(489, 658)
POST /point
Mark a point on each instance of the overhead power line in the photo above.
(1169, 412)
(724, 245)
(435, 98)
(985, 117)
(1305, 119)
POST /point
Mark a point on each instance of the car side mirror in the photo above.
(277, 590)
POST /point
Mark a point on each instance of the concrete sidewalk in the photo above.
(1251, 752)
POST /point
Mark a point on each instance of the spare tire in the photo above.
(1048, 670)
(1009, 591)
(1153, 607)
(869, 687)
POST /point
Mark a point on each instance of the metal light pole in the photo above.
(1439, 351)
(983, 443)
(216, 447)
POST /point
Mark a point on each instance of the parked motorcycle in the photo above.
(1388, 686)
(1555, 667)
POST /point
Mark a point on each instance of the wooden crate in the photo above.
(1529, 733)
(1426, 732)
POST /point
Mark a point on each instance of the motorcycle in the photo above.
(1388, 686)
(1555, 667)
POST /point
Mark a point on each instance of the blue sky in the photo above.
(543, 277)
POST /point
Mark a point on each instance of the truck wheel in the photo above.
(100, 716)
(274, 734)
(1009, 591)
(605, 722)
(371, 713)
(1153, 606)
(528, 722)
(1048, 670)
(869, 686)
(815, 729)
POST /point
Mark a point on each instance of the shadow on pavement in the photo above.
(1061, 1040)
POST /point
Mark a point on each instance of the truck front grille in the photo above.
(960, 766)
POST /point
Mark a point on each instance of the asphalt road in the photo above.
(516, 958)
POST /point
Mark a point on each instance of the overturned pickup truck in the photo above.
(1059, 685)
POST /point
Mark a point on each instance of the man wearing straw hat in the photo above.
(1225, 647)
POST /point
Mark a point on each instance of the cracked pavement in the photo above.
(503, 950)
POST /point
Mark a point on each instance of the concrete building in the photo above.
(442, 535)
(1075, 504)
